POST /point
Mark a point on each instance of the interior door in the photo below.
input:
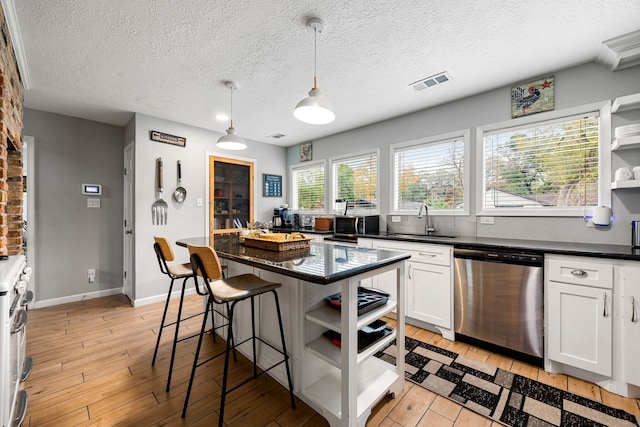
(128, 224)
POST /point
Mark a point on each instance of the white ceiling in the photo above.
(103, 60)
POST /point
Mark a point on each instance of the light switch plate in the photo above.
(199, 202)
(93, 203)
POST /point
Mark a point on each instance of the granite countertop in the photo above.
(625, 252)
(321, 263)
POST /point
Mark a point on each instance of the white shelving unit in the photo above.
(347, 384)
(627, 102)
(624, 103)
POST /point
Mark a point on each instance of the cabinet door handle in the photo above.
(579, 273)
(604, 305)
(634, 319)
(427, 255)
(409, 271)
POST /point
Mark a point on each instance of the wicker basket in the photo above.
(323, 224)
(277, 245)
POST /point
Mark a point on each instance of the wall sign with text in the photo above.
(271, 185)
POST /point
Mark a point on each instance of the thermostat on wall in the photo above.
(91, 189)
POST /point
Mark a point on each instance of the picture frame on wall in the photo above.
(533, 97)
(306, 151)
(271, 185)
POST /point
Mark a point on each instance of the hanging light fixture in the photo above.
(314, 109)
(231, 141)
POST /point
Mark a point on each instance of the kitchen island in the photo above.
(341, 382)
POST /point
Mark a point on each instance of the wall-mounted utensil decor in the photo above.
(180, 193)
(159, 208)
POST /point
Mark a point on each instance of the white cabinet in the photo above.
(429, 282)
(629, 321)
(579, 315)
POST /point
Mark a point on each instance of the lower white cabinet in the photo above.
(429, 281)
(629, 321)
(580, 313)
(429, 293)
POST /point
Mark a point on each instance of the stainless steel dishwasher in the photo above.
(499, 301)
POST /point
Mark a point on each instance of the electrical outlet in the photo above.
(91, 275)
(489, 220)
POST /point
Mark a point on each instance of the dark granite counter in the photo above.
(625, 252)
(300, 230)
(321, 264)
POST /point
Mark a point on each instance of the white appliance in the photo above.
(15, 367)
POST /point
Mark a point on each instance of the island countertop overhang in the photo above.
(320, 264)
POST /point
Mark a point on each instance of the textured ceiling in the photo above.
(104, 60)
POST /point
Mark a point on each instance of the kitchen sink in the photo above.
(420, 236)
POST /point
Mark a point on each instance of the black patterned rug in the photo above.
(501, 395)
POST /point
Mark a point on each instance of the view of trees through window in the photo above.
(550, 165)
(308, 188)
(430, 173)
(355, 180)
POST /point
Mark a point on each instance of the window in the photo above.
(355, 180)
(549, 167)
(431, 171)
(307, 188)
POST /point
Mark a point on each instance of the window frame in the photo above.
(331, 208)
(604, 161)
(306, 165)
(465, 136)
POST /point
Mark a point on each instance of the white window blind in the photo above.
(431, 173)
(355, 179)
(544, 166)
(308, 189)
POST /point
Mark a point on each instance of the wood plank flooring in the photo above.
(92, 367)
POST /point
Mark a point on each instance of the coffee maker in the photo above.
(282, 217)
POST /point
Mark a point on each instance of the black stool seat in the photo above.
(205, 264)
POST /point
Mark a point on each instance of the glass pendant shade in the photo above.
(314, 109)
(231, 141)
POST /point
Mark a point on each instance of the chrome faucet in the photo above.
(428, 228)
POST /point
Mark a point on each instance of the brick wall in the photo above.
(11, 170)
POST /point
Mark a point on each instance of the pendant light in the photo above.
(314, 109)
(231, 141)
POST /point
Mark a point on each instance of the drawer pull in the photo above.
(604, 305)
(579, 273)
(427, 255)
(634, 319)
(409, 271)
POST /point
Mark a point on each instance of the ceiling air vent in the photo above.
(436, 79)
(276, 136)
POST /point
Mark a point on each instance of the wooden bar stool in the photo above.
(184, 271)
(205, 263)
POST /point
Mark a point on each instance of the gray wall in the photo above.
(71, 238)
(186, 219)
(577, 86)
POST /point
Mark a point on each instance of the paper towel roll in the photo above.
(601, 215)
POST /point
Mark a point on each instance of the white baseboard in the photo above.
(157, 298)
(75, 298)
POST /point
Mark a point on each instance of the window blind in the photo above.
(308, 188)
(545, 166)
(431, 173)
(355, 179)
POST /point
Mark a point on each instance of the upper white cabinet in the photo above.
(579, 294)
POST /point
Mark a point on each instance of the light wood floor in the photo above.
(92, 367)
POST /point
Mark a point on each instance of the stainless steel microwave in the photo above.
(352, 225)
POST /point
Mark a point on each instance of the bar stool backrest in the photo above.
(209, 262)
(165, 248)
